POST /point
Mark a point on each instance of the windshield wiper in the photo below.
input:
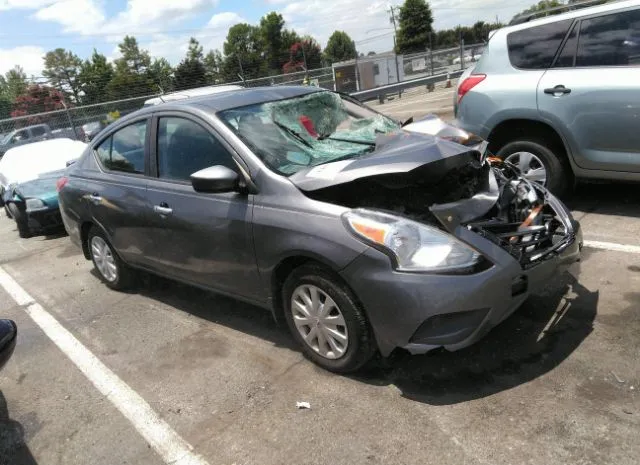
(291, 132)
(354, 141)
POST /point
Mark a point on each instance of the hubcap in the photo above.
(319, 321)
(530, 166)
(103, 258)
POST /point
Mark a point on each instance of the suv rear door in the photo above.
(592, 92)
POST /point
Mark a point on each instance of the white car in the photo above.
(197, 92)
(27, 162)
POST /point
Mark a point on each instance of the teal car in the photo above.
(34, 204)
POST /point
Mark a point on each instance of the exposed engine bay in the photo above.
(471, 190)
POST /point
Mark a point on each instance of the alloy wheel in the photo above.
(530, 166)
(104, 259)
(319, 321)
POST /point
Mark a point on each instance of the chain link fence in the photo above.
(84, 122)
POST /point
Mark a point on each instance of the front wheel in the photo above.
(539, 163)
(112, 270)
(326, 320)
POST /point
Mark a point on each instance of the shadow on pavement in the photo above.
(607, 198)
(533, 341)
(13, 450)
(216, 308)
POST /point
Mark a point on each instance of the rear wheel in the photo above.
(326, 320)
(112, 270)
(541, 163)
(21, 220)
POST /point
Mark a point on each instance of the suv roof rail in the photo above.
(526, 17)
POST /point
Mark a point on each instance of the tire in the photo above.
(559, 178)
(123, 277)
(21, 220)
(360, 345)
(7, 212)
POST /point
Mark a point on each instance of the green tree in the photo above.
(162, 75)
(191, 71)
(340, 47)
(94, 77)
(62, 68)
(542, 5)
(271, 34)
(132, 75)
(15, 83)
(303, 56)
(213, 66)
(415, 20)
(243, 53)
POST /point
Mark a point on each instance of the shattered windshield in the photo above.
(293, 134)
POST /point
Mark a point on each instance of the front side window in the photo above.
(124, 149)
(611, 40)
(293, 134)
(535, 47)
(185, 147)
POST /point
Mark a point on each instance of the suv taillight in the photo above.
(60, 183)
(469, 83)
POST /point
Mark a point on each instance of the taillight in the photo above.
(469, 83)
(60, 183)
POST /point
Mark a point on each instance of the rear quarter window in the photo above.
(535, 47)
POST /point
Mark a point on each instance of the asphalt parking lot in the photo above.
(198, 378)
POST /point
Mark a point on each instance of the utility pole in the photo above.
(395, 45)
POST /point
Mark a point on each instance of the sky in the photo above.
(30, 28)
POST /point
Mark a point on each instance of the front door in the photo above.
(205, 239)
(593, 92)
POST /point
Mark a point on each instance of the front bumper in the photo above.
(43, 220)
(421, 312)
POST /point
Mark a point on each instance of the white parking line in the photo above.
(157, 432)
(612, 246)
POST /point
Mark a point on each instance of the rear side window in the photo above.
(534, 48)
(124, 150)
(611, 40)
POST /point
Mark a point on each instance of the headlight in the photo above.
(34, 204)
(414, 246)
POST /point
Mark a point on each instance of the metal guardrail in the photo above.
(380, 92)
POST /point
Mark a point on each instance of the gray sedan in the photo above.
(363, 235)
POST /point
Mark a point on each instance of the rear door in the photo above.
(592, 93)
(204, 239)
(117, 192)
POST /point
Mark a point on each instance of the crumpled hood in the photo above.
(397, 152)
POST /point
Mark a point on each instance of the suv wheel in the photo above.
(538, 162)
(112, 270)
(326, 320)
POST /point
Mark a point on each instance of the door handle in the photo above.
(95, 198)
(162, 210)
(560, 89)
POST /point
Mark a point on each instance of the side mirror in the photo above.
(215, 179)
(8, 337)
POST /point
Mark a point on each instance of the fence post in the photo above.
(461, 52)
(73, 127)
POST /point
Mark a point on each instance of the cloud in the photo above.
(28, 56)
(24, 4)
(156, 13)
(225, 20)
(79, 16)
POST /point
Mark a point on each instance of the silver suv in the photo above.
(560, 96)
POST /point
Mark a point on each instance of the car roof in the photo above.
(222, 101)
(577, 13)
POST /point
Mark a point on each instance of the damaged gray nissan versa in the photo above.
(364, 234)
